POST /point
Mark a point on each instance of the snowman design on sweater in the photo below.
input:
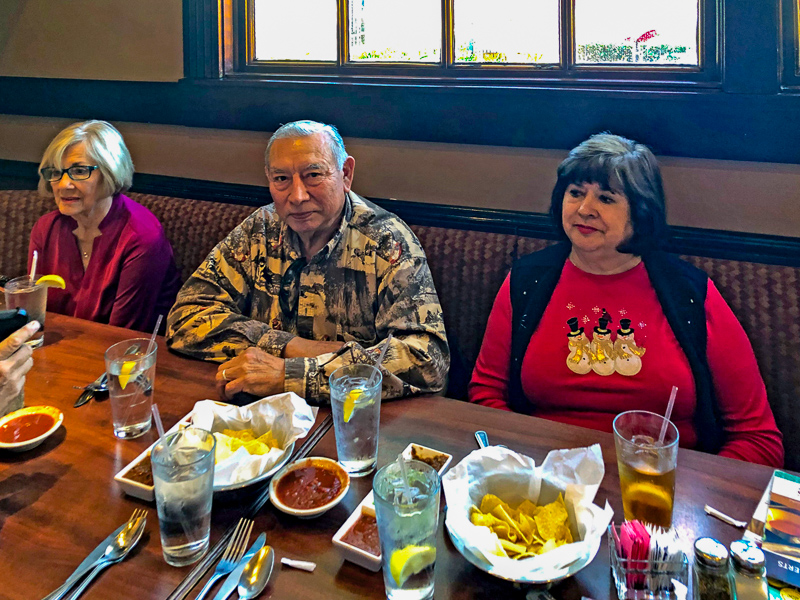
(602, 355)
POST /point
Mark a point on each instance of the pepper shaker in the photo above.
(748, 571)
(710, 576)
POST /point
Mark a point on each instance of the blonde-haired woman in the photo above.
(112, 253)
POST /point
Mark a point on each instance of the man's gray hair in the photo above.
(298, 129)
(102, 144)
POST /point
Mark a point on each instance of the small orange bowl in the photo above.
(26, 428)
(325, 464)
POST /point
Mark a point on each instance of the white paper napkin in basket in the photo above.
(287, 415)
(576, 472)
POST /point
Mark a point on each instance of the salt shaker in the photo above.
(748, 571)
(710, 577)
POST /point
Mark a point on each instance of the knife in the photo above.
(84, 567)
(233, 579)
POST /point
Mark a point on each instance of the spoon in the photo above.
(483, 439)
(256, 573)
(116, 551)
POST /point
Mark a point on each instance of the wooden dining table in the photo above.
(58, 501)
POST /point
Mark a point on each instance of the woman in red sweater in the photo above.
(112, 252)
(604, 322)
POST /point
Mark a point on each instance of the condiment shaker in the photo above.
(710, 575)
(750, 582)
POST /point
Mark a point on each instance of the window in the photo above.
(791, 44)
(464, 40)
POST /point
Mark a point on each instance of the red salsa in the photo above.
(308, 487)
(26, 427)
(364, 535)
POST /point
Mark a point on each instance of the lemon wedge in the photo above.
(125, 372)
(55, 281)
(409, 561)
(350, 403)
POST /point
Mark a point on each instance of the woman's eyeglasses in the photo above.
(76, 173)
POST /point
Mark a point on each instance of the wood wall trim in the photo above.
(689, 123)
(728, 245)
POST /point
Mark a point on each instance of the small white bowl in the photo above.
(355, 554)
(57, 416)
(134, 488)
(313, 461)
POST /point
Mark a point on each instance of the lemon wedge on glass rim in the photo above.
(55, 281)
(409, 561)
(350, 403)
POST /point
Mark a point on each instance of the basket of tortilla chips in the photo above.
(525, 523)
(255, 440)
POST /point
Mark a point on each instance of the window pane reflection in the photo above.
(395, 30)
(296, 30)
(645, 32)
(506, 31)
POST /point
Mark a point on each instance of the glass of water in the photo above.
(183, 473)
(131, 373)
(21, 292)
(356, 406)
(407, 511)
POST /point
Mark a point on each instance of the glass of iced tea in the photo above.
(646, 466)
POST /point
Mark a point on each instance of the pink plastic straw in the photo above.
(667, 415)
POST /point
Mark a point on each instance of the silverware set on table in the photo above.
(248, 572)
(111, 550)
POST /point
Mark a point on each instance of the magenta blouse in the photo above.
(131, 277)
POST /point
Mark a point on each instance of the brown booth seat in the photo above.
(468, 268)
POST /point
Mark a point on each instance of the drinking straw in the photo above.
(405, 494)
(33, 267)
(159, 424)
(155, 332)
(377, 365)
(667, 415)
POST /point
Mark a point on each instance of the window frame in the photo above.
(239, 61)
(790, 56)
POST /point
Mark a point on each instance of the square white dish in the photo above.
(361, 557)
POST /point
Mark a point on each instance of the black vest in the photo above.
(681, 290)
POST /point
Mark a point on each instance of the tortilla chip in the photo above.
(526, 531)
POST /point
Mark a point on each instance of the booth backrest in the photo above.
(468, 267)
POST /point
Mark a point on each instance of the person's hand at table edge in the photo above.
(302, 348)
(254, 371)
(15, 361)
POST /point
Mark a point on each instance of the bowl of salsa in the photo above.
(26, 428)
(309, 487)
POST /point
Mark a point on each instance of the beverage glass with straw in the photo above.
(183, 476)
(131, 368)
(647, 456)
(407, 510)
(356, 407)
(25, 292)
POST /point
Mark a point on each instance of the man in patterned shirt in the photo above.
(312, 282)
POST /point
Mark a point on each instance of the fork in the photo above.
(232, 555)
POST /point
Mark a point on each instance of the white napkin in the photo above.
(287, 415)
(576, 472)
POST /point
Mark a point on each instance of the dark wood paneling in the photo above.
(701, 124)
(731, 245)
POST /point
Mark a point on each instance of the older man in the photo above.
(316, 280)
